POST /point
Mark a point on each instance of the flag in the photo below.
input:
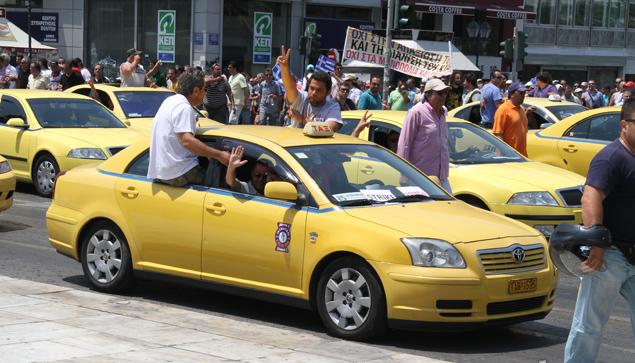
(325, 64)
(277, 76)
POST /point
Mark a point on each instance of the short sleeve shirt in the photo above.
(368, 101)
(267, 89)
(136, 79)
(328, 111)
(396, 101)
(612, 171)
(490, 94)
(168, 158)
(238, 84)
(511, 122)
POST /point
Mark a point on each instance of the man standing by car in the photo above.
(270, 93)
(424, 136)
(371, 98)
(490, 99)
(314, 104)
(173, 147)
(218, 91)
(609, 199)
(510, 121)
(592, 98)
(131, 71)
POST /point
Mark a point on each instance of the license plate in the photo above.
(522, 285)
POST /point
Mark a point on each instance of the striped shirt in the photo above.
(217, 94)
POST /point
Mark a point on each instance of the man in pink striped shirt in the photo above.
(424, 135)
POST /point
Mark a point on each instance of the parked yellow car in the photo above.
(361, 253)
(487, 173)
(136, 106)
(45, 132)
(572, 143)
(7, 185)
(546, 112)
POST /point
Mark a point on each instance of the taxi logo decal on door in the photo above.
(283, 237)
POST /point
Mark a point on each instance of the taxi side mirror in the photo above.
(281, 190)
(17, 122)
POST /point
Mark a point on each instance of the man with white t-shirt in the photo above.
(174, 149)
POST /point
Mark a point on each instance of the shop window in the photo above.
(109, 47)
(608, 13)
(547, 12)
(565, 16)
(581, 15)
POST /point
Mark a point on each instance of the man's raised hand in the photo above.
(283, 58)
(235, 158)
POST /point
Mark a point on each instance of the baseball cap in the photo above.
(508, 82)
(584, 84)
(424, 80)
(516, 86)
(435, 85)
(554, 98)
(577, 90)
(529, 84)
(133, 51)
(310, 67)
(350, 77)
(629, 84)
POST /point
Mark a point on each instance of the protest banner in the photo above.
(368, 47)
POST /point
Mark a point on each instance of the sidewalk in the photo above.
(48, 323)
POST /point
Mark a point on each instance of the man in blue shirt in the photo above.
(371, 98)
(491, 98)
(609, 199)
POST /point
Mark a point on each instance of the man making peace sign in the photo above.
(314, 104)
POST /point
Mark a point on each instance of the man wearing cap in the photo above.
(510, 121)
(424, 136)
(131, 71)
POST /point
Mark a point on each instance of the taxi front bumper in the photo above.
(7, 189)
(444, 298)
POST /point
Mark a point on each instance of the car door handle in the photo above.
(130, 192)
(570, 149)
(216, 208)
(368, 170)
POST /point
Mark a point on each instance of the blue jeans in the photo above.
(596, 298)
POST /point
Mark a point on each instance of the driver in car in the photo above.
(261, 173)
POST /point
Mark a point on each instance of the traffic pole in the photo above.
(387, 49)
(515, 56)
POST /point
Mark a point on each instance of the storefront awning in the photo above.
(14, 38)
(459, 61)
(509, 12)
(469, 9)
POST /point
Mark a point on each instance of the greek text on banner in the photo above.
(368, 47)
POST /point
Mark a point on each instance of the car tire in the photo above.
(45, 170)
(350, 300)
(106, 258)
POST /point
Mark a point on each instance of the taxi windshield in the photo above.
(564, 111)
(72, 113)
(141, 103)
(352, 175)
(469, 144)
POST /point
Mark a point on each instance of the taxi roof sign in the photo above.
(317, 129)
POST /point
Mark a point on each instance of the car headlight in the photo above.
(5, 167)
(433, 253)
(86, 153)
(533, 198)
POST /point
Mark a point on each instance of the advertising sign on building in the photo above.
(166, 36)
(263, 28)
(44, 26)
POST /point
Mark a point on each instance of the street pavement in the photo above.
(49, 313)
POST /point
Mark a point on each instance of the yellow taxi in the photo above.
(546, 112)
(45, 132)
(487, 173)
(136, 106)
(572, 143)
(7, 184)
(365, 254)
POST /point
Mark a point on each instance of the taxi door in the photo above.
(253, 241)
(582, 142)
(15, 142)
(164, 222)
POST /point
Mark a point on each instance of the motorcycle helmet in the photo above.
(570, 245)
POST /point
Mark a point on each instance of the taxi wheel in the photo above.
(350, 300)
(106, 258)
(45, 170)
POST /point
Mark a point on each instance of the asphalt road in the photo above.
(26, 254)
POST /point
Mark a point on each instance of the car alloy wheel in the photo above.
(45, 172)
(106, 258)
(350, 299)
(347, 298)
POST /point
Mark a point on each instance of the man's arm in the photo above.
(287, 79)
(593, 213)
(246, 95)
(126, 69)
(197, 147)
(499, 124)
(230, 95)
(407, 136)
(235, 161)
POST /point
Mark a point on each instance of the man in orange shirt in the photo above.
(510, 120)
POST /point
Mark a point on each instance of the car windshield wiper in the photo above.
(410, 198)
(357, 202)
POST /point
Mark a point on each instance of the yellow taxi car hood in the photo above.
(99, 137)
(520, 176)
(452, 221)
